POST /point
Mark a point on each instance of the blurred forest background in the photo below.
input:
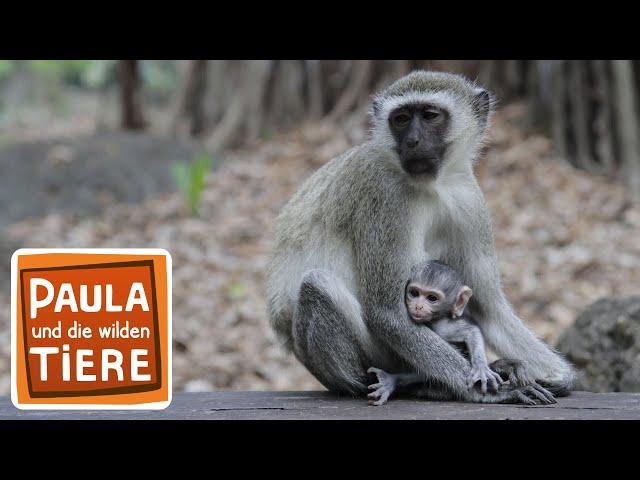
(199, 156)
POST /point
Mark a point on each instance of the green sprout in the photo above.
(190, 179)
(237, 290)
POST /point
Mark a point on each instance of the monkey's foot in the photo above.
(486, 377)
(529, 395)
(383, 389)
(514, 372)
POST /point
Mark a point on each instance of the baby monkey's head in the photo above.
(435, 291)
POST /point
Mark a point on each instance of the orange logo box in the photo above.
(91, 328)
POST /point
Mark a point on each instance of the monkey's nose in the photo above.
(419, 307)
(412, 142)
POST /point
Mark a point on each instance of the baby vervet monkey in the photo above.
(436, 296)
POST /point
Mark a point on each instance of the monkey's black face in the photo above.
(420, 130)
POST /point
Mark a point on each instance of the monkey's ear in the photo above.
(483, 105)
(461, 301)
(376, 107)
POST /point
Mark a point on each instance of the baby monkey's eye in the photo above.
(432, 298)
(414, 292)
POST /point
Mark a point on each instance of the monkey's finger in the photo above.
(483, 385)
(376, 394)
(533, 394)
(543, 398)
(546, 393)
(374, 386)
(543, 390)
(524, 399)
(550, 399)
(374, 370)
(493, 384)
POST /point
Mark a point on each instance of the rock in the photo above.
(60, 154)
(198, 385)
(604, 345)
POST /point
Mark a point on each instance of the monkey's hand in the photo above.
(486, 377)
(383, 389)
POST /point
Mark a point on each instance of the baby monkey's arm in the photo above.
(460, 330)
(463, 330)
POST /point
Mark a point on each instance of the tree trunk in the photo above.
(227, 130)
(360, 77)
(513, 77)
(603, 122)
(627, 122)
(486, 73)
(221, 79)
(578, 98)
(254, 93)
(559, 109)
(287, 105)
(316, 94)
(533, 91)
(400, 68)
(244, 118)
(189, 115)
(130, 95)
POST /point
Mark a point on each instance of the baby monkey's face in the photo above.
(427, 303)
(424, 303)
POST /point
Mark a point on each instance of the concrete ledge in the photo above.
(325, 406)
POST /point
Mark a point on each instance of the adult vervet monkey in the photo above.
(346, 241)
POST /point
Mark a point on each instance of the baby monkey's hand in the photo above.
(383, 389)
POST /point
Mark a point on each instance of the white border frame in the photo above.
(85, 406)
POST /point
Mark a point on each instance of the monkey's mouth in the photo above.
(424, 318)
(421, 166)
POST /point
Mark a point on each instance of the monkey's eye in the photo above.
(401, 119)
(414, 292)
(432, 298)
(430, 114)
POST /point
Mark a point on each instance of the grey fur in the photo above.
(350, 236)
